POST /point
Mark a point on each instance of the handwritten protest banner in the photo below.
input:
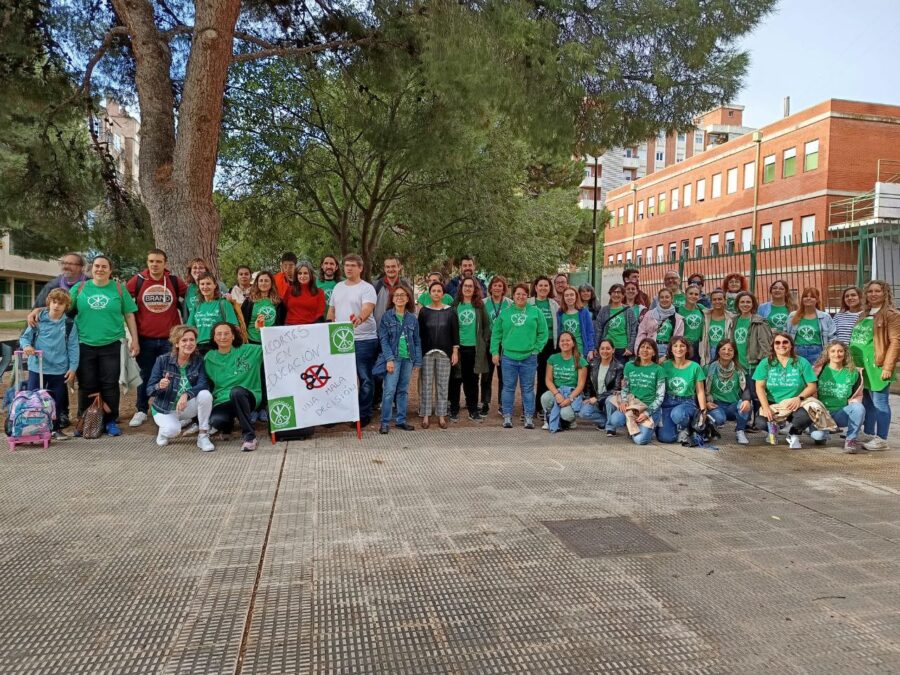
(310, 375)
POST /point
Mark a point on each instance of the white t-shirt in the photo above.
(347, 300)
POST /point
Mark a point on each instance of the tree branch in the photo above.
(300, 51)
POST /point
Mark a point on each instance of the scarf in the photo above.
(661, 314)
(724, 375)
(66, 285)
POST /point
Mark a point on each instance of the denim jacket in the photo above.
(389, 336)
(164, 399)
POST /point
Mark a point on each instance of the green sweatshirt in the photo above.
(519, 332)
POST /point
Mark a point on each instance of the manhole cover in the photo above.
(596, 537)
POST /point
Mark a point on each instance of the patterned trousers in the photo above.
(434, 375)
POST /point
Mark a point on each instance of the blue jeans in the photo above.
(56, 387)
(677, 413)
(595, 413)
(554, 412)
(396, 383)
(151, 349)
(730, 412)
(615, 419)
(878, 411)
(523, 372)
(810, 352)
(850, 416)
(366, 355)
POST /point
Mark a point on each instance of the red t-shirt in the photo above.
(157, 304)
(303, 308)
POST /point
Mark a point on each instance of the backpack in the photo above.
(31, 412)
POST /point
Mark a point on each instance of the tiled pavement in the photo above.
(425, 552)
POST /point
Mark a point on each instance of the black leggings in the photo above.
(98, 371)
(468, 381)
(799, 420)
(487, 379)
(240, 404)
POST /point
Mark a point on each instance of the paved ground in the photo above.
(426, 552)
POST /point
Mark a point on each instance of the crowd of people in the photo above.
(676, 366)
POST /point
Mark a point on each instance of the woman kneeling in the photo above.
(643, 390)
(180, 390)
(234, 371)
(685, 393)
(566, 377)
(841, 392)
(728, 396)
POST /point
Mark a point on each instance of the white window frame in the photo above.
(698, 244)
(628, 256)
(676, 192)
(749, 174)
(641, 210)
(714, 244)
(746, 239)
(786, 232)
(619, 259)
(765, 236)
(729, 240)
(629, 213)
(731, 181)
(687, 192)
(807, 229)
(701, 190)
(716, 187)
(649, 256)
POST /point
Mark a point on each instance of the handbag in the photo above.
(90, 424)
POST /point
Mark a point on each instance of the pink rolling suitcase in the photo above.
(32, 412)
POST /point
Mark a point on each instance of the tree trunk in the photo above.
(185, 225)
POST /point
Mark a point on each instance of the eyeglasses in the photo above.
(782, 342)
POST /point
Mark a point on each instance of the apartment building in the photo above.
(768, 188)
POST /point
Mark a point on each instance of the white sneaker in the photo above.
(205, 444)
(138, 419)
(877, 444)
(191, 430)
(545, 426)
(864, 437)
(793, 442)
(161, 440)
(741, 438)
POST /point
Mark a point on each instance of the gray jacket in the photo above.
(631, 325)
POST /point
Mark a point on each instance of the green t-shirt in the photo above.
(208, 314)
(716, 331)
(784, 382)
(664, 331)
(637, 310)
(836, 387)
(642, 380)
(327, 285)
(678, 300)
(564, 372)
(862, 348)
(191, 298)
(571, 323)
(731, 302)
(544, 307)
(101, 312)
(265, 307)
(616, 329)
(693, 324)
(238, 368)
(184, 384)
(465, 313)
(778, 317)
(809, 332)
(403, 347)
(741, 334)
(425, 299)
(682, 381)
(725, 390)
(494, 308)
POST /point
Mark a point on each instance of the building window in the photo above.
(627, 176)
(698, 247)
(811, 155)
(639, 259)
(698, 140)
(685, 247)
(630, 213)
(807, 229)
(651, 206)
(682, 137)
(768, 168)
(612, 219)
(621, 215)
(675, 193)
(609, 260)
(687, 194)
(660, 156)
(659, 252)
(22, 294)
(661, 137)
(716, 186)
(641, 210)
(765, 236)
(729, 242)
(619, 259)
(662, 203)
(679, 157)
(731, 184)
(673, 251)
(749, 175)
(701, 190)
(786, 232)
(650, 254)
(628, 256)
(789, 168)
(629, 152)
(746, 238)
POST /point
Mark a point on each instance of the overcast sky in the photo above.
(812, 50)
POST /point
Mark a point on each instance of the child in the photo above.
(59, 343)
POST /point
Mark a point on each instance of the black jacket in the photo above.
(611, 383)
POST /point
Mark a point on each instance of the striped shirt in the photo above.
(844, 323)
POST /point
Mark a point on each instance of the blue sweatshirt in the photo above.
(60, 355)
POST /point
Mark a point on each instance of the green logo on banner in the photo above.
(281, 413)
(341, 338)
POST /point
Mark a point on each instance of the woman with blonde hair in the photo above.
(841, 391)
(810, 327)
(875, 346)
(179, 389)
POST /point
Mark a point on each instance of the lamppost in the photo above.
(633, 217)
(754, 233)
(594, 226)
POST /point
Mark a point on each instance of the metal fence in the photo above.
(846, 258)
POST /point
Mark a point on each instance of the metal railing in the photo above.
(863, 207)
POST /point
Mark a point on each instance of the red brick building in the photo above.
(771, 187)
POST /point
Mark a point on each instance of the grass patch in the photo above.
(13, 325)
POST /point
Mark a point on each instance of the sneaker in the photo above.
(610, 433)
(64, 420)
(249, 446)
(572, 425)
(59, 436)
(545, 426)
(793, 442)
(851, 447)
(507, 422)
(877, 444)
(191, 430)
(264, 416)
(484, 409)
(204, 443)
(454, 417)
(476, 417)
(113, 429)
(684, 437)
(383, 429)
(529, 423)
(863, 437)
(819, 436)
(742, 438)
(138, 419)
(161, 440)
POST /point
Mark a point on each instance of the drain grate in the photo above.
(597, 537)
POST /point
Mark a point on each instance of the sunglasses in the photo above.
(782, 342)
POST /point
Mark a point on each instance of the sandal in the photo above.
(442, 422)
(425, 422)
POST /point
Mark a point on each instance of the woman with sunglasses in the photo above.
(685, 393)
(728, 391)
(783, 381)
